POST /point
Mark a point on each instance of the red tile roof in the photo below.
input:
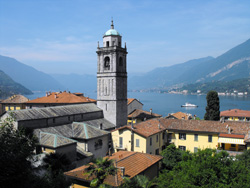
(231, 135)
(179, 115)
(62, 98)
(141, 114)
(16, 99)
(130, 100)
(133, 162)
(150, 127)
(235, 113)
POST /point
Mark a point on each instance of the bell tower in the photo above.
(112, 78)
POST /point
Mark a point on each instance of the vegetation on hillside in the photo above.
(240, 85)
(9, 87)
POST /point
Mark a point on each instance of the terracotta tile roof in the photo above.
(235, 113)
(179, 115)
(133, 162)
(146, 128)
(130, 100)
(231, 135)
(16, 99)
(141, 114)
(150, 127)
(63, 97)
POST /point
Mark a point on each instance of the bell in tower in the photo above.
(112, 78)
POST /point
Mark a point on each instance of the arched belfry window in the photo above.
(120, 61)
(107, 63)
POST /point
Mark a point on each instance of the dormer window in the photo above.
(106, 63)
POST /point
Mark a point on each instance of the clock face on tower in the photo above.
(112, 78)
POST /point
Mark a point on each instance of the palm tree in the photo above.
(100, 169)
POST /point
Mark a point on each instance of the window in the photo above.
(163, 135)
(150, 141)
(106, 63)
(157, 138)
(183, 148)
(182, 136)
(120, 61)
(157, 152)
(68, 118)
(195, 137)
(120, 142)
(98, 144)
(54, 120)
(210, 138)
(233, 145)
(107, 44)
(137, 143)
(163, 147)
(195, 149)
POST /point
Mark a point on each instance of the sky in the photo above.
(60, 36)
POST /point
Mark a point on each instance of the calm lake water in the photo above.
(165, 103)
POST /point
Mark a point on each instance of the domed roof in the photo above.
(112, 31)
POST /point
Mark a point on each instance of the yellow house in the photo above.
(146, 137)
(15, 102)
(152, 136)
(199, 134)
(235, 115)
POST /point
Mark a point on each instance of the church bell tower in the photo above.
(112, 78)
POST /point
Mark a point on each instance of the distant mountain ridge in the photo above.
(234, 64)
(8, 87)
(28, 76)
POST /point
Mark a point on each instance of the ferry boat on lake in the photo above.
(189, 105)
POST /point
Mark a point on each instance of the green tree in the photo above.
(100, 169)
(171, 156)
(16, 152)
(139, 181)
(213, 106)
(55, 165)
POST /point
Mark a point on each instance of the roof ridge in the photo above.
(127, 156)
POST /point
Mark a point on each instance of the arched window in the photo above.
(106, 63)
(120, 61)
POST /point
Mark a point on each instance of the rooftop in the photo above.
(130, 100)
(179, 115)
(235, 113)
(57, 111)
(112, 31)
(16, 99)
(133, 162)
(62, 98)
(141, 114)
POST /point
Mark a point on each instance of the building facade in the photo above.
(112, 78)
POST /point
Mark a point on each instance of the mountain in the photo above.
(9, 87)
(76, 82)
(234, 64)
(28, 76)
(164, 76)
(240, 85)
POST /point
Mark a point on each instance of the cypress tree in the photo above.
(213, 106)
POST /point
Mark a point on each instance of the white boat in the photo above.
(189, 105)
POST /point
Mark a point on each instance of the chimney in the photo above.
(100, 127)
(132, 126)
(151, 111)
(159, 126)
(46, 94)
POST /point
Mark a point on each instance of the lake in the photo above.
(165, 103)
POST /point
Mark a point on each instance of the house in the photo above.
(139, 115)
(200, 134)
(152, 136)
(58, 99)
(235, 115)
(146, 137)
(81, 125)
(179, 115)
(129, 164)
(134, 104)
(15, 102)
